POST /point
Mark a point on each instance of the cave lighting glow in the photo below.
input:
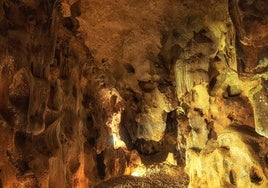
(113, 123)
(139, 172)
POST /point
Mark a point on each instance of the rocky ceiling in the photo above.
(135, 93)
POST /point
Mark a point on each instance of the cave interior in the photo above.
(133, 93)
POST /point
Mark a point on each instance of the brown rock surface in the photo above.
(152, 93)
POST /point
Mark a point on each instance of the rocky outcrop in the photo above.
(93, 90)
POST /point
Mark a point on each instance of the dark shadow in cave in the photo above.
(100, 165)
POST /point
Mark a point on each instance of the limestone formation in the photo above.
(144, 93)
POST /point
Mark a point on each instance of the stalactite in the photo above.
(94, 94)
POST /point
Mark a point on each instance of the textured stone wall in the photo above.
(175, 91)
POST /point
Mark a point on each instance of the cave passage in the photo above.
(133, 93)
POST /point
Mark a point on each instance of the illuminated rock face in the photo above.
(91, 90)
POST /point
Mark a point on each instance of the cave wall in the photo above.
(90, 89)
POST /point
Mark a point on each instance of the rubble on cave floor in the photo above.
(158, 176)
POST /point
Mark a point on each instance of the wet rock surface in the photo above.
(133, 93)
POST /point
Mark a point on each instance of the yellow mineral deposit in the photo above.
(133, 93)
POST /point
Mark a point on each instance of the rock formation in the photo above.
(152, 93)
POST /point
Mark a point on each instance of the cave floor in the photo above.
(152, 181)
(161, 175)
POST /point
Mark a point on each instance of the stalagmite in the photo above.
(133, 93)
